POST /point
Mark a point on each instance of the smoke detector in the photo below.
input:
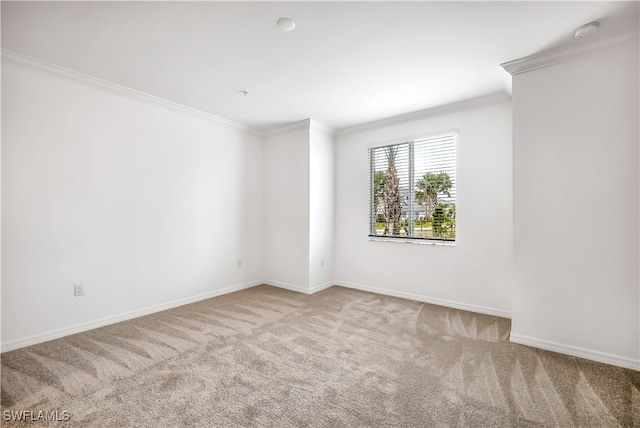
(286, 24)
(586, 29)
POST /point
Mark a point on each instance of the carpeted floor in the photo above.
(266, 357)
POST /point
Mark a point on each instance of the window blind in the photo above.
(412, 191)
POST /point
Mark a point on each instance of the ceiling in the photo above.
(345, 63)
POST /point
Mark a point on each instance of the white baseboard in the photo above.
(291, 287)
(321, 287)
(575, 351)
(298, 288)
(90, 325)
(286, 286)
(435, 301)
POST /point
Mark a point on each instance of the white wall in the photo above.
(143, 204)
(286, 209)
(476, 274)
(321, 206)
(576, 207)
(298, 207)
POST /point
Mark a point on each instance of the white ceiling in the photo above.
(346, 63)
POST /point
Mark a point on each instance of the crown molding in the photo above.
(281, 129)
(579, 49)
(321, 127)
(30, 63)
(484, 101)
(287, 128)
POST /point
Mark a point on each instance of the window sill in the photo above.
(413, 241)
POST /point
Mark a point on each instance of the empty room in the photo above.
(320, 214)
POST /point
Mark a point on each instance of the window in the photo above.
(412, 190)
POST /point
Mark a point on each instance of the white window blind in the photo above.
(412, 192)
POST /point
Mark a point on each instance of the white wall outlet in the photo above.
(321, 262)
(78, 290)
(239, 263)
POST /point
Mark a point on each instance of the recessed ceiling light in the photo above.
(286, 24)
(586, 29)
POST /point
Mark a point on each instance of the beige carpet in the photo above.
(339, 358)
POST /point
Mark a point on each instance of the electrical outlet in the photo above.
(239, 263)
(78, 290)
(321, 262)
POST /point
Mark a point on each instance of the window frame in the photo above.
(410, 141)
